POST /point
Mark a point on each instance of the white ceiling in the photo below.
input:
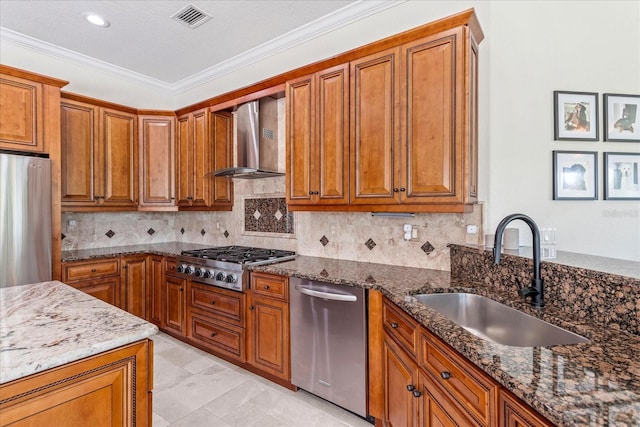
(145, 42)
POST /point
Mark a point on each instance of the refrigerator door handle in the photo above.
(326, 295)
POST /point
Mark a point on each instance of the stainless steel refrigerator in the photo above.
(25, 219)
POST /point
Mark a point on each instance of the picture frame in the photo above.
(621, 117)
(575, 116)
(575, 175)
(621, 176)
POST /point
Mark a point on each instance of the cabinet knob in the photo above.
(181, 289)
(445, 375)
(411, 387)
(212, 302)
(266, 287)
(395, 190)
(93, 270)
(250, 307)
(394, 325)
(213, 334)
(402, 189)
(416, 393)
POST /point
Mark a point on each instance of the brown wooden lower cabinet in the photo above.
(107, 290)
(99, 278)
(513, 413)
(176, 305)
(110, 389)
(135, 289)
(155, 306)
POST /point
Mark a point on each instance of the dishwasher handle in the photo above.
(326, 295)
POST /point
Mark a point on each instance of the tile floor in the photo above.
(195, 389)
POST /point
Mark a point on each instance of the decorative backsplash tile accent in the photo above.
(427, 248)
(324, 240)
(203, 232)
(370, 244)
(110, 234)
(226, 234)
(151, 231)
(182, 230)
(268, 215)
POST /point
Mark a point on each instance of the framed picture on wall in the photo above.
(621, 176)
(575, 175)
(575, 116)
(621, 117)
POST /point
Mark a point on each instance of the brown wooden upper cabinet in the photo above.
(204, 143)
(318, 138)
(99, 157)
(412, 119)
(156, 167)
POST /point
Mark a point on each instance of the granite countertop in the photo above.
(49, 324)
(165, 249)
(590, 384)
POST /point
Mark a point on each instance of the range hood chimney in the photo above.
(256, 141)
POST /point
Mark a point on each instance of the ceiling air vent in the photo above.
(191, 16)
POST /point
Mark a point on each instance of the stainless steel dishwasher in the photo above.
(328, 342)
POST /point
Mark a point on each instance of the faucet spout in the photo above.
(536, 291)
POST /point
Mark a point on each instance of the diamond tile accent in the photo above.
(151, 231)
(324, 240)
(256, 215)
(370, 244)
(110, 233)
(278, 215)
(226, 233)
(62, 236)
(427, 248)
(203, 232)
(182, 230)
(324, 273)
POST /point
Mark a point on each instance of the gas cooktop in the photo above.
(240, 254)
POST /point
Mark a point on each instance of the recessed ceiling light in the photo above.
(96, 20)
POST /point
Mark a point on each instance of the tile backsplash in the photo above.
(260, 218)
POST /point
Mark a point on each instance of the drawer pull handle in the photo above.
(266, 287)
(445, 375)
(394, 325)
(416, 393)
(411, 387)
(213, 334)
(93, 270)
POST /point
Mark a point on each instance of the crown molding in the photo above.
(340, 18)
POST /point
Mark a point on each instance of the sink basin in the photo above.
(497, 322)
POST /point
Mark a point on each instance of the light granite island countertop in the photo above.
(49, 324)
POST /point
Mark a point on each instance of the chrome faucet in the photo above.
(536, 290)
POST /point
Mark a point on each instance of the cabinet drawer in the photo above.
(270, 285)
(219, 337)
(83, 270)
(221, 303)
(400, 327)
(469, 387)
(170, 266)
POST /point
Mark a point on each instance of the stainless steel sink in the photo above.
(497, 322)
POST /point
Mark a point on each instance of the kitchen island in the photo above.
(67, 355)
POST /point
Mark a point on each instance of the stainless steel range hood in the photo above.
(256, 141)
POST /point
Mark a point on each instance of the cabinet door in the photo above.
(184, 161)
(79, 123)
(268, 336)
(432, 98)
(400, 371)
(175, 318)
(156, 154)
(222, 136)
(117, 172)
(375, 129)
(513, 413)
(436, 409)
(332, 145)
(156, 290)
(21, 114)
(107, 290)
(202, 159)
(135, 287)
(300, 140)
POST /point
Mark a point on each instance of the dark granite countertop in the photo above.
(590, 384)
(166, 249)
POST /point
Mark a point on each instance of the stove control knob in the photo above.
(200, 272)
(232, 278)
(181, 268)
(208, 274)
(189, 269)
(221, 276)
